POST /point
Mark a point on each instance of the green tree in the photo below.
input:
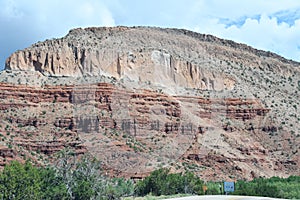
(118, 187)
(161, 182)
(83, 178)
(155, 183)
(193, 184)
(265, 188)
(52, 186)
(20, 181)
(70, 179)
(24, 181)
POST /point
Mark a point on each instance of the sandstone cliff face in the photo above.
(140, 98)
(85, 52)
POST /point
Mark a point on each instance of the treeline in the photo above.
(68, 179)
(161, 182)
(288, 188)
(71, 178)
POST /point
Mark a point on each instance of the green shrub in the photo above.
(271, 187)
(24, 181)
(70, 179)
(161, 182)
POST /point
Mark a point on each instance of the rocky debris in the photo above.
(6, 152)
(50, 147)
(147, 119)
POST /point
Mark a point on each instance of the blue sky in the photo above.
(272, 25)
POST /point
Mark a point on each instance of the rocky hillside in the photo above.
(140, 98)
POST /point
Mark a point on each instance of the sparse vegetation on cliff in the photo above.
(140, 98)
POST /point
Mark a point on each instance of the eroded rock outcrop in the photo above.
(140, 98)
(82, 52)
(132, 129)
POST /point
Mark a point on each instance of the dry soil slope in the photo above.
(223, 107)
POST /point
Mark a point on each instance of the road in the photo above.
(222, 197)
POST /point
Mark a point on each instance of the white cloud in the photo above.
(269, 25)
(237, 8)
(56, 17)
(9, 9)
(264, 33)
(26, 22)
(260, 24)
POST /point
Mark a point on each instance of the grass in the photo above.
(151, 197)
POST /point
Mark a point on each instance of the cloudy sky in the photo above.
(272, 25)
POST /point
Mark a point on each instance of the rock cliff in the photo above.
(139, 98)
